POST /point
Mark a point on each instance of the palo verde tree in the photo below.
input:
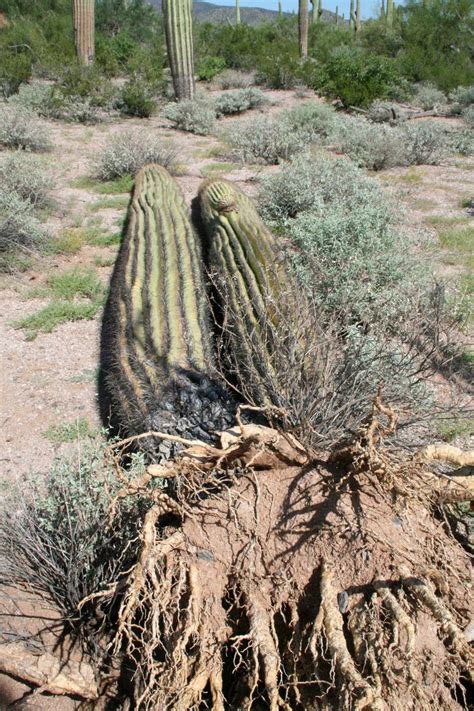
(83, 22)
(179, 43)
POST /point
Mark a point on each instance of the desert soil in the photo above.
(49, 381)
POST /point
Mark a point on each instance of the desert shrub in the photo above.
(36, 96)
(194, 116)
(264, 140)
(356, 77)
(65, 526)
(280, 70)
(137, 98)
(19, 228)
(235, 102)
(460, 141)
(317, 120)
(468, 116)
(21, 128)
(461, 98)
(208, 68)
(235, 79)
(343, 242)
(25, 175)
(15, 68)
(129, 151)
(424, 143)
(312, 182)
(373, 146)
(427, 96)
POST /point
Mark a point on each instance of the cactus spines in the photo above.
(303, 27)
(83, 23)
(249, 280)
(156, 354)
(179, 43)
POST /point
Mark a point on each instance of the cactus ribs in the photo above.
(156, 355)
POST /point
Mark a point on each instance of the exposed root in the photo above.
(426, 595)
(330, 621)
(276, 585)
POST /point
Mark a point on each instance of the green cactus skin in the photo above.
(83, 23)
(336, 19)
(280, 9)
(237, 12)
(389, 15)
(177, 16)
(303, 27)
(156, 352)
(249, 275)
(317, 10)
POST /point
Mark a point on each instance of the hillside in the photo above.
(208, 12)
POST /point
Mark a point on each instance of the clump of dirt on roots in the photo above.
(277, 578)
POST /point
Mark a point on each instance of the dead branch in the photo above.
(48, 672)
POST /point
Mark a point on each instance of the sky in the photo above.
(368, 6)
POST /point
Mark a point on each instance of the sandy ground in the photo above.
(50, 380)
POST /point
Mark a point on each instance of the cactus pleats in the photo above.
(250, 282)
(156, 345)
(83, 22)
(177, 16)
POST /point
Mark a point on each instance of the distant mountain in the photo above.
(217, 14)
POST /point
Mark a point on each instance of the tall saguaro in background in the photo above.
(303, 27)
(355, 17)
(237, 11)
(179, 44)
(84, 25)
(389, 15)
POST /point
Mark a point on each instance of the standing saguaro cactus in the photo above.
(356, 16)
(179, 43)
(237, 11)
(389, 15)
(317, 10)
(84, 25)
(303, 27)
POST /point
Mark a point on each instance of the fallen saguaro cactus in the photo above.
(156, 355)
(250, 283)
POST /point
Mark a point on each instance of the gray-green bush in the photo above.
(349, 255)
(130, 150)
(194, 116)
(65, 528)
(236, 102)
(25, 175)
(428, 96)
(235, 79)
(373, 146)
(19, 227)
(21, 128)
(424, 143)
(316, 119)
(264, 139)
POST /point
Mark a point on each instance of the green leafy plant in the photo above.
(208, 68)
(137, 98)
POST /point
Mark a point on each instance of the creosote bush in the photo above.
(194, 116)
(21, 128)
(129, 151)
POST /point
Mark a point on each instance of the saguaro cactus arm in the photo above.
(83, 18)
(179, 42)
